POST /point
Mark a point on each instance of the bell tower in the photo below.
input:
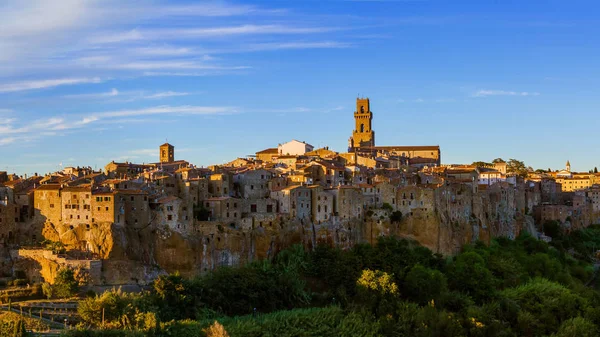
(363, 134)
(167, 153)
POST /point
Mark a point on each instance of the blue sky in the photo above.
(87, 82)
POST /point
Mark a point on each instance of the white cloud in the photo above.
(485, 93)
(166, 94)
(210, 32)
(42, 84)
(112, 93)
(163, 51)
(296, 45)
(49, 126)
(8, 140)
(5, 110)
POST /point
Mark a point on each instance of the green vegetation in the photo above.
(521, 287)
(65, 285)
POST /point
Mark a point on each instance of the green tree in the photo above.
(65, 285)
(498, 160)
(517, 167)
(544, 305)
(577, 327)
(481, 164)
(396, 216)
(470, 275)
(423, 284)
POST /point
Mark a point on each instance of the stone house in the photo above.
(294, 148)
(253, 184)
(349, 203)
(220, 184)
(224, 209)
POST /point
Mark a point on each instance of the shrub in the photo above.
(577, 327)
(424, 284)
(545, 305)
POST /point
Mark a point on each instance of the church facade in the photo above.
(362, 142)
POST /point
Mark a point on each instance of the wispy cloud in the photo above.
(49, 126)
(43, 84)
(113, 93)
(166, 94)
(210, 32)
(486, 93)
(297, 45)
(6, 110)
(128, 96)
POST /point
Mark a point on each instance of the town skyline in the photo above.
(108, 86)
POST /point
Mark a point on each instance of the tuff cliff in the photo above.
(442, 218)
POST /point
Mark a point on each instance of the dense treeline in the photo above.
(521, 287)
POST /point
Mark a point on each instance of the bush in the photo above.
(470, 275)
(577, 327)
(65, 284)
(545, 305)
(424, 284)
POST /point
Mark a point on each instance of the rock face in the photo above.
(442, 218)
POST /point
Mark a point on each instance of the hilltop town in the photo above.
(129, 223)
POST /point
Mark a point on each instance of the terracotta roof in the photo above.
(77, 189)
(166, 144)
(403, 148)
(48, 187)
(269, 151)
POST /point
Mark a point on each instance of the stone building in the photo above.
(48, 203)
(322, 205)
(224, 209)
(77, 205)
(349, 203)
(294, 148)
(362, 141)
(167, 153)
(221, 184)
(253, 184)
(267, 155)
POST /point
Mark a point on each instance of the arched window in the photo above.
(362, 128)
(362, 109)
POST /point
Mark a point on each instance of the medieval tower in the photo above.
(363, 134)
(167, 153)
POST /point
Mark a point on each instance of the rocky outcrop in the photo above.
(444, 219)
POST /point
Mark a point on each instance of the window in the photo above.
(131, 198)
(319, 208)
(253, 208)
(87, 196)
(107, 208)
(362, 127)
(269, 208)
(99, 208)
(325, 211)
(51, 205)
(169, 217)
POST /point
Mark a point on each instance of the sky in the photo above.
(83, 83)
